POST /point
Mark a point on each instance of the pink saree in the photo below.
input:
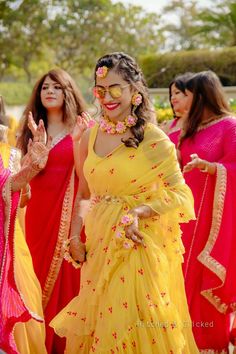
(12, 307)
(48, 219)
(210, 240)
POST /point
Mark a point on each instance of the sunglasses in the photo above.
(115, 91)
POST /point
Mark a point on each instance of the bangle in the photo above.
(67, 256)
(205, 169)
(27, 190)
(127, 219)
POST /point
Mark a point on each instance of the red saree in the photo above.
(48, 218)
(210, 241)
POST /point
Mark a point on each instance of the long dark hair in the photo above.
(180, 83)
(74, 104)
(208, 94)
(127, 67)
(4, 120)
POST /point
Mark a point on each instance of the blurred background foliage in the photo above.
(36, 35)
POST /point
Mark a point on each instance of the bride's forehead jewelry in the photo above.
(102, 71)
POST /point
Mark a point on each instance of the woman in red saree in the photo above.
(207, 150)
(56, 100)
(21, 315)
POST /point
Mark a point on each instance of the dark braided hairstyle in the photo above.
(127, 67)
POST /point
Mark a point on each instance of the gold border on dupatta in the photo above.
(205, 257)
(63, 233)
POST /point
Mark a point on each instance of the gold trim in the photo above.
(63, 233)
(205, 257)
(213, 351)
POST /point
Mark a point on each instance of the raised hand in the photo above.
(82, 124)
(38, 131)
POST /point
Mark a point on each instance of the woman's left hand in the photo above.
(132, 231)
(81, 126)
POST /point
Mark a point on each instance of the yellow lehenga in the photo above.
(29, 336)
(132, 298)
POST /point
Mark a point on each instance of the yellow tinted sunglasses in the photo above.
(115, 91)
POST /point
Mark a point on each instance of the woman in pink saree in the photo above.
(57, 100)
(17, 309)
(207, 151)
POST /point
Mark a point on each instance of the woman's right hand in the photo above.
(77, 250)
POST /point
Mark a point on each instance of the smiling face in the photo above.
(115, 108)
(181, 101)
(51, 94)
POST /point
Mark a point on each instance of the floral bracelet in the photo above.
(127, 219)
(67, 256)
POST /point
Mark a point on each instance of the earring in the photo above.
(137, 99)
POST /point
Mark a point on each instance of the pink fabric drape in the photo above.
(210, 241)
(12, 308)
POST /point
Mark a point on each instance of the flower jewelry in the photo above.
(117, 128)
(67, 255)
(102, 71)
(136, 99)
(127, 219)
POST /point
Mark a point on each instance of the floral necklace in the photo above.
(120, 127)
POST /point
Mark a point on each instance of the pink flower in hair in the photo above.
(102, 71)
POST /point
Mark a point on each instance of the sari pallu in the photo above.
(48, 218)
(210, 241)
(12, 308)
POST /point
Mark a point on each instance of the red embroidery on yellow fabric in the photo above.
(181, 215)
(108, 261)
(92, 171)
(93, 349)
(130, 328)
(153, 145)
(81, 345)
(113, 228)
(109, 155)
(124, 345)
(114, 334)
(131, 156)
(105, 249)
(141, 271)
(96, 340)
(166, 184)
(160, 175)
(83, 319)
(125, 304)
(88, 282)
(153, 341)
(111, 171)
(154, 167)
(148, 296)
(126, 208)
(136, 197)
(148, 197)
(133, 181)
(101, 239)
(100, 314)
(110, 309)
(122, 279)
(146, 226)
(134, 344)
(173, 325)
(112, 351)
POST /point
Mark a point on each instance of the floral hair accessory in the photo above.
(67, 255)
(102, 71)
(136, 99)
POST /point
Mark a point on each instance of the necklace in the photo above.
(109, 127)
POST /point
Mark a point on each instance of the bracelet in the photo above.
(205, 169)
(127, 219)
(28, 190)
(67, 256)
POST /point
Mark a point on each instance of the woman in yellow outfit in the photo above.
(29, 337)
(132, 297)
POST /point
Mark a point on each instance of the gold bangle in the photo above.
(205, 169)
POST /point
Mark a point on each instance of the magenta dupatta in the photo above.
(12, 308)
(210, 241)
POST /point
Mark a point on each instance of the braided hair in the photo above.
(126, 66)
